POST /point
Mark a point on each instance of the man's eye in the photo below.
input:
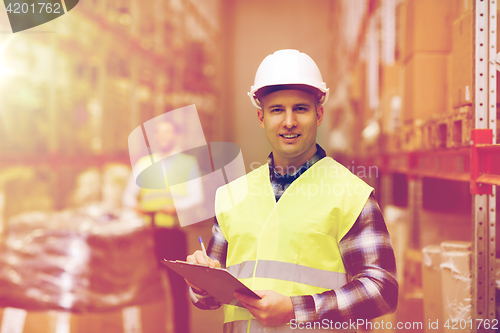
(301, 109)
(275, 110)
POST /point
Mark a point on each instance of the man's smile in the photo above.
(289, 136)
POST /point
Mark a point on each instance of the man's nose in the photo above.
(290, 120)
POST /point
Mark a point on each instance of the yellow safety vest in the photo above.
(289, 246)
(152, 200)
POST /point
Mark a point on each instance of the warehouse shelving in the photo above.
(480, 166)
(459, 146)
(107, 67)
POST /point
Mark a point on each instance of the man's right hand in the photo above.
(199, 258)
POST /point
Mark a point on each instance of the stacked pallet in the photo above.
(84, 270)
(446, 276)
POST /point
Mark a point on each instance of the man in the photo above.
(157, 206)
(315, 247)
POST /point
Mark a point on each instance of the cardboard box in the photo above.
(390, 106)
(390, 98)
(412, 287)
(428, 27)
(461, 7)
(431, 282)
(22, 321)
(410, 312)
(401, 30)
(462, 89)
(390, 78)
(425, 87)
(450, 80)
(456, 283)
(358, 82)
(359, 95)
(396, 219)
(146, 318)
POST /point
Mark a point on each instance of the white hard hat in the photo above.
(292, 68)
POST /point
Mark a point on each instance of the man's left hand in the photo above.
(273, 309)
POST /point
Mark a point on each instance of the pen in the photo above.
(203, 249)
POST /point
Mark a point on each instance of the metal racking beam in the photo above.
(478, 164)
(483, 252)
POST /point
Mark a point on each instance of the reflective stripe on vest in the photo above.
(254, 326)
(289, 246)
(289, 272)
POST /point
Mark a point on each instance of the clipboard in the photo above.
(217, 282)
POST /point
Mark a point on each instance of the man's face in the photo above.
(165, 136)
(290, 119)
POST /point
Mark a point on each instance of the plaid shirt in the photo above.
(368, 257)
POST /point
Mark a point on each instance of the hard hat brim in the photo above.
(270, 89)
(321, 96)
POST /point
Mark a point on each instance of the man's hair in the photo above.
(318, 94)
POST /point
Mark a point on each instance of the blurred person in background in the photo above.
(157, 207)
(314, 248)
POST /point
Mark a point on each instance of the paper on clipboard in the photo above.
(217, 282)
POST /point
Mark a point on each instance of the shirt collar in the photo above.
(294, 172)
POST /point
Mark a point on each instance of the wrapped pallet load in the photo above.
(456, 283)
(431, 283)
(81, 270)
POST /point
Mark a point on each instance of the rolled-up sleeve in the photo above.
(372, 290)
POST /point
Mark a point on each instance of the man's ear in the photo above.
(319, 114)
(260, 116)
